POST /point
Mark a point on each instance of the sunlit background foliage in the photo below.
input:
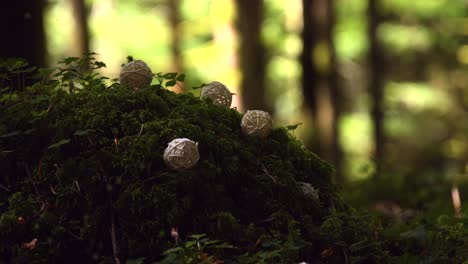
(424, 45)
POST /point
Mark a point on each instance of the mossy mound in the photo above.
(83, 173)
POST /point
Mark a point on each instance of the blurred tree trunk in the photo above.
(335, 93)
(23, 34)
(376, 71)
(320, 85)
(251, 54)
(80, 14)
(310, 73)
(174, 21)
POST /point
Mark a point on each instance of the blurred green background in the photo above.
(379, 87)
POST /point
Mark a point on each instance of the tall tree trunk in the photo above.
(321, 91)
(80, 14)
(310, 74)
(335, 93)
(174, 21)
(376, 70)
(252, 54)
(22, 27)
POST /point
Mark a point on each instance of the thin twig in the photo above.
(116, 142)
(74, 236)
(141, 129)
(52, 190)
(77, 185)
(43, 207)
(4, 188)
(115, 248)
(50, 107)
(456, 201)
(267, 173)
(345, 255)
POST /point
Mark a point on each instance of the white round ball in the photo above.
(218, 92)
(308, 190)
(136, 74)
(256, 123)
(181, 153)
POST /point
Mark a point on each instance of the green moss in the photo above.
(82, 164)
(95, 153)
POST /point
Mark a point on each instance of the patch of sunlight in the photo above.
(350, 38)
(456, 147)
(132, 31)
(400, 125)
(292, 45)
(303, 132)
(422, 8)
(346, 7)
(402, 38)
(285, 89)
(58, 22)
(271, 32)
(321, 56)
(197, 27)
(195, 9)
(196, 33)
(416, 96)
(293, 12)
(462, 26)
(288, 105)
(222, 11)
(350, 29)
(356, 133)
(358, 167)
(121, 31)
(462, 54)
(206, 58)
(281, 67)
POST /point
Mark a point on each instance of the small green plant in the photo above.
(198, 249)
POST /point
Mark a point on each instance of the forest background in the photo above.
(376, 88)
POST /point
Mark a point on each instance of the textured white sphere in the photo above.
(309, 191)
(181, 153)
(218, 92)
(136, 74)
(256, 123)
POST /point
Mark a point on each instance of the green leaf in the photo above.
(30, 69)
(135, 261)
(180, 77)
(172, 250)
(170, 75)
(16, 63)
(190, 244)
(223, 246)
(199, 87)
(197, 236)
(418, 233)
(69, 60)
(171, 83)
(293, 127)
(361, 245)
(83, 132)
(59, 143)
(100, 64)
(44, 72)
(11, 134)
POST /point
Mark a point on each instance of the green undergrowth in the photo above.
(82, 172)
